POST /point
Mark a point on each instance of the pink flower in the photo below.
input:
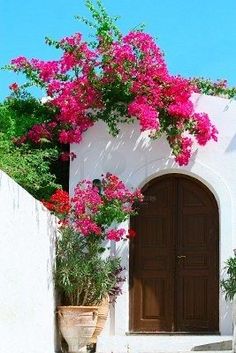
(114, 188)
(86, 226)
(20, 62)
(137, 196)
(47, 69)
(181, 110)
(86, 198)
(204, 129)
(185, 145)
(115, 234)
(147, 116)
(64, 137)
(73, 40)
(39, 132)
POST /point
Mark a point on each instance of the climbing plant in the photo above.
(115, 78)
(229, 283)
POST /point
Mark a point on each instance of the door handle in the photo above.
(181, 257)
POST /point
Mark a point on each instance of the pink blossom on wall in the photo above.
(117, 79)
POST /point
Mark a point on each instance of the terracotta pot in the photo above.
(77, 325)
(103, 310)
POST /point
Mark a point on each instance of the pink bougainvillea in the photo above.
(115, 234)
(147, 115)
(86, 198)
(184, 144)
(204, 130)
(115, 189)
(94, 211)
(86, 226)
(120, 78)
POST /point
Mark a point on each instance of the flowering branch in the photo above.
(218, 88)
(93, 213)
(118, 78)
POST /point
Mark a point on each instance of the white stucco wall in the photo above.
(136, 160)
(27, 233)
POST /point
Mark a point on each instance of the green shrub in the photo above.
(83, 276)
(30, 166)
(229, 284)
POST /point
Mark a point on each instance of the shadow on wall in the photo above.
(232, 145)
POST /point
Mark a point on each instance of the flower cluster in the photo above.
(59, 203)
(94, 211)
(125, 74)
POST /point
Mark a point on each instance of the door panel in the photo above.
(174, 258)
(153, 262)
(196, 273)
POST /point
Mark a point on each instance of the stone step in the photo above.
(90, 350)
(216, 346)
(164, 344)
(157, 351)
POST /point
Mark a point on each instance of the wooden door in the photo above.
(174, 258)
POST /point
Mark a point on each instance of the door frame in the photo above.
(131, 252)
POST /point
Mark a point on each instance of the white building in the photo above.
(171, 300)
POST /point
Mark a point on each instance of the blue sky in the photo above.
(197, 36)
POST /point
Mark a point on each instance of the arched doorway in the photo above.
(174, 260)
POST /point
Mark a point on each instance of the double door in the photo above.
(174, 275)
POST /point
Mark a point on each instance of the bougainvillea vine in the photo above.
(94, 211)
(118, 78)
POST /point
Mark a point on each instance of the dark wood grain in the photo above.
(174, 274)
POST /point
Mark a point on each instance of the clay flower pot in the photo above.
(77, 325)
(103, 310)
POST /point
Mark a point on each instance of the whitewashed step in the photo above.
(160, 343)
(216, 346)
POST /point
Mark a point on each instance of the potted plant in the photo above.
(84, 280)
(85, 274)
(229, 288)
